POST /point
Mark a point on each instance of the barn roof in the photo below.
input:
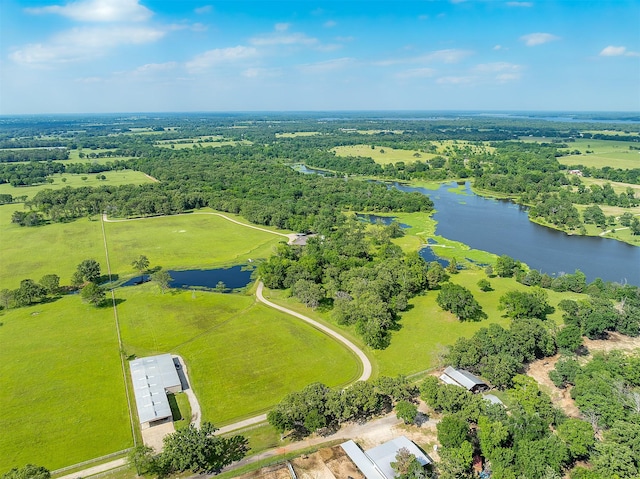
(460, 377)
(151, 377)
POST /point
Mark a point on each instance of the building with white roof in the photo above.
(153, 378)
(462, 378)
(376, 463)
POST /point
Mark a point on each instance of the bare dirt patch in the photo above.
(279, 471)
(615, 341)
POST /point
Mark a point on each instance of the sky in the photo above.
(102, 56)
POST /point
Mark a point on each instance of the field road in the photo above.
(366, 364)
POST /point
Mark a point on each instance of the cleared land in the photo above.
(62, 395)
(615, 154)
(193, 241)
(113, 178)
(382, 154)
(297, 134)
(242, 356)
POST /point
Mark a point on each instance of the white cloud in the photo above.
(454, 80)
(99, 11)
(533, 39)
(151, 68)
(84, 43)
(204, 9)
(503, 72)
(423, 17)
(329, 24)
(219, 56)
(290, 39)
(612, 51)
(282, 27)
(499, 47)
(326, 66)
(442, 56)
(262, 73)
(520, 4)
(416, 73)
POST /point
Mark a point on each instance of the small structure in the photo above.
(376, 463)
(153, 378)
(492, 399)
(464, 379)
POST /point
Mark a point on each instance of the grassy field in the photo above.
(425, 329)
(195, 241)
(297, 134)
(178, 242)
(113, 178)
(382, 155)
(62, 395)
(52, 249)
(615, 154)
(242, 356)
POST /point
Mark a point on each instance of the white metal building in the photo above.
(153, 377)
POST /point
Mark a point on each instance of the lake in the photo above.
(503, 227)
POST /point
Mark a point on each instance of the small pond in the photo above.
(233, 278)
(385, 220)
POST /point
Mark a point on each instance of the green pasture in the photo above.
(32, 252)
(615, 154)
(382, 154)
(425, 330)
(618, 187)
(297, 134)
(113, 178)
(192, 241)
(242, 356)
(63, 398)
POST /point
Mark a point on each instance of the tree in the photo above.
(455, 463)
(141, 264)
(141, 457)
(308, 292)
(162, 279)
(505, 266)
(460, 301)
(452, 267)
(6, 297)
(406, 466)
(484, 285)
(90, 270)
(569, 339)
(435, 275)
(407, 411)
(578, 436)
(51, 283)
(93, 294)
(199, 450)
(29, 292)
(29, 471)
(521, 304)
(452, 431)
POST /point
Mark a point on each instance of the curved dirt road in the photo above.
(366, 364)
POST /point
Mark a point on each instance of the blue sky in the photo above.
(88, 56)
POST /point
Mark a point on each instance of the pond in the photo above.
(233, 278)
(385, 220)
(503, 227)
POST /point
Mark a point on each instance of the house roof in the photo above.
(460, 377)
(151, 376)
(492, 399)
(376, 463)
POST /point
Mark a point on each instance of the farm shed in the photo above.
(462, 378)
(376, 463)
(153, 378)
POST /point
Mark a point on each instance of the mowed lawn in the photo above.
(113, 178)
(62, 395)
(192, 241)
(32, 252)
(242, 356)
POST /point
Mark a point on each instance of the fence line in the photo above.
(91, 461)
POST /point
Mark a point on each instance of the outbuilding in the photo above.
(153, 378)
(464, 379)
(376, 463)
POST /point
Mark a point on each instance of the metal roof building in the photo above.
(462, 378)
(376, 463)
(153, 377)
